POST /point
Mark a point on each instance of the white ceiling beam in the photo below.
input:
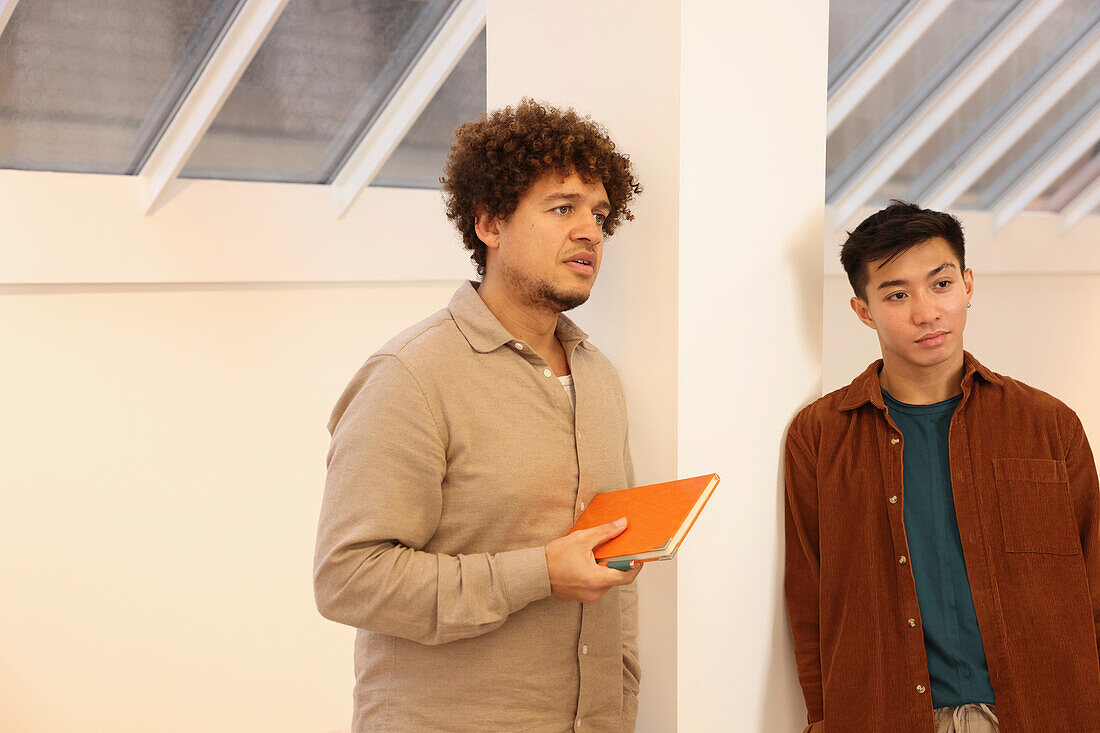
(1073, 187)
(1051, 136)
(414, 93)
(866, 38)
(1082, 205)
(1007, 129)
(949, 66)
(239, 43)
(939, 105)
(1056, 162)
(880, 55)
(7, 7)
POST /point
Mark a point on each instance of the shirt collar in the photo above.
(485, 333)
(866, 388)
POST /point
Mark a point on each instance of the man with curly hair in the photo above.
(464, 450)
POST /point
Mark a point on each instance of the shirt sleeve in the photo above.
(801, 580)
(382, 504)
(1086, 506)
(628, 595)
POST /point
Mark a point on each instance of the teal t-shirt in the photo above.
(956, 658)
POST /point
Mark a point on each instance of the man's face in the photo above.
(548, 251)
(917, 304)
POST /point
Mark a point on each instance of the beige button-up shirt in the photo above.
(456, 456)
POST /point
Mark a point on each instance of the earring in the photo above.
(969, 304)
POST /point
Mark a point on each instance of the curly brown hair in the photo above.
(498, 157)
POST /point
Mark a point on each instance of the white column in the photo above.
(618, 60)
(709, 303)
(752, 191)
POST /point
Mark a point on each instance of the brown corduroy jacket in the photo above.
(1028, 506)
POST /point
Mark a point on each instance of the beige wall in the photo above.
(163, 458)
(1037, 328)
(84, 228)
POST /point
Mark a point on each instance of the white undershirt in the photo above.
(567, 385)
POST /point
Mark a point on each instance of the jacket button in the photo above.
(894, 499)
(901, 560)
(912, 623)
(920, 689)
(894, 441)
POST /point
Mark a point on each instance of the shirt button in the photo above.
(894, 499)
(901, 560)
(547, 372)
(912, 623)
(578, 722)
(518, 346)
(584, 649)
(920, 689)
(582, 506)
(894, 441)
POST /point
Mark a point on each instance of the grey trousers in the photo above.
(978, 718)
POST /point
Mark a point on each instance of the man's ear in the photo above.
(487, 228)
(968, 283)
(863, 312)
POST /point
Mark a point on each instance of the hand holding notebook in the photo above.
(659, 516)
(573, 575)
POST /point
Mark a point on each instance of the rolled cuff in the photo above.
(526, 577)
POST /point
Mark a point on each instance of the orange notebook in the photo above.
(658, 517)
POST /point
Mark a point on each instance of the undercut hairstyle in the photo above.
(887, 233)
(495, 160)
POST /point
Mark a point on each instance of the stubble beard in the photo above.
(544, 296)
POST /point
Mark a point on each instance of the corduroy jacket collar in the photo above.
(866, 387)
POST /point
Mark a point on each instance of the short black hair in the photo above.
(887, 233)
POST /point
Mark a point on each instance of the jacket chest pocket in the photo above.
(1036, 508)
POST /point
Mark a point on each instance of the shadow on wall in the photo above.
(782, 707)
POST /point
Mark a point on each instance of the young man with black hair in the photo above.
(464, 450)
(942, 520)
